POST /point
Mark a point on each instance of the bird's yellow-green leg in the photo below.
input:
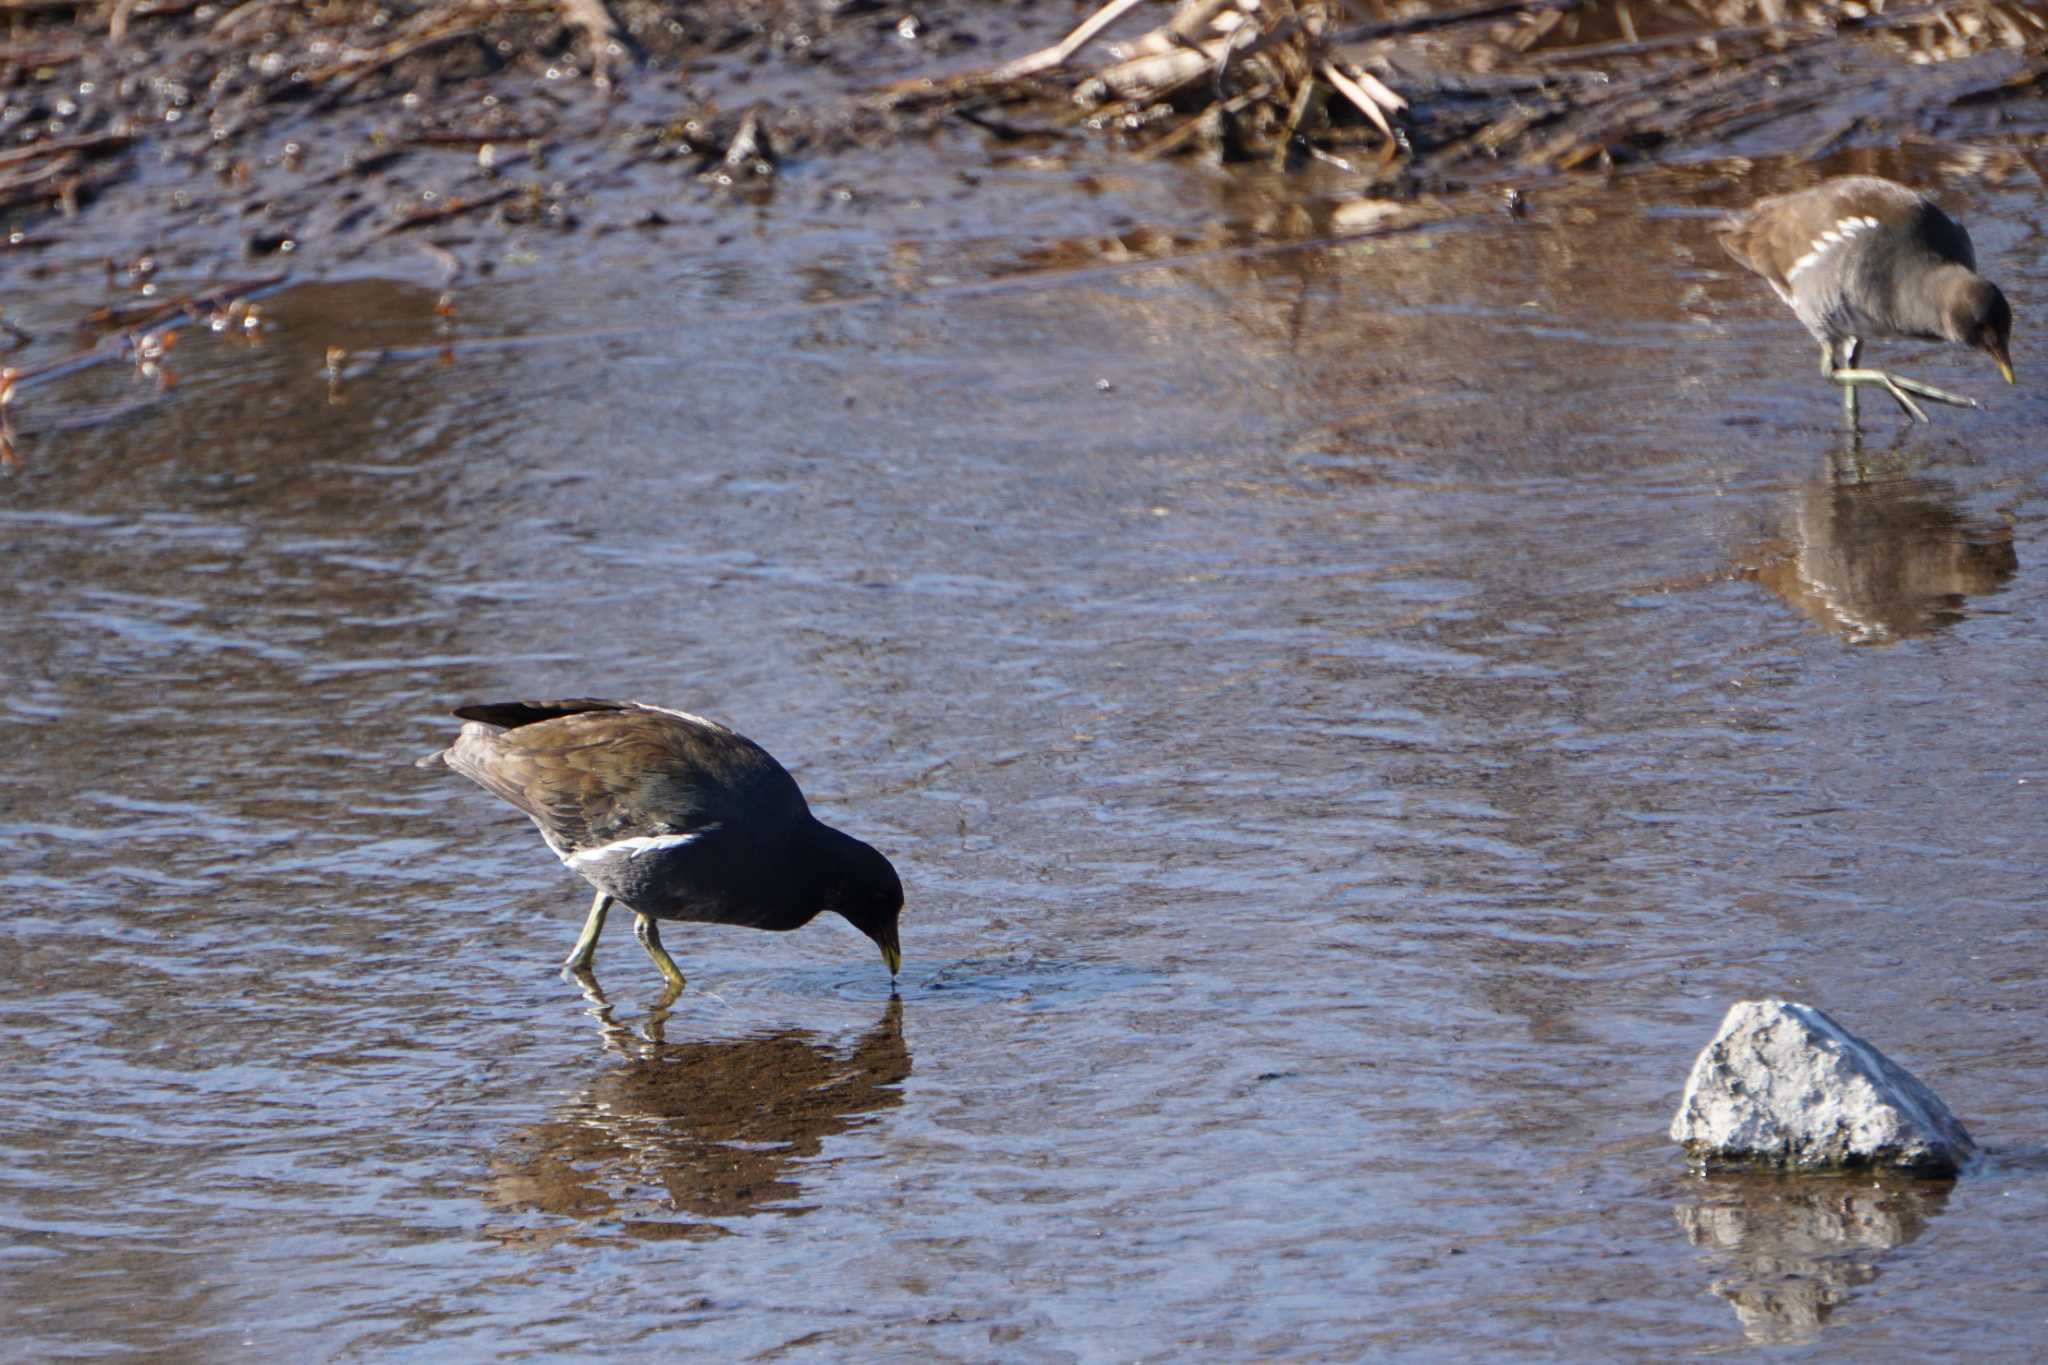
(579, 957)
(650, 939)
(1897, 385)
(1827, 369)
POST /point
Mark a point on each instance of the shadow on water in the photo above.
(683, 1133)
(1786, 1252)
(1881, 556)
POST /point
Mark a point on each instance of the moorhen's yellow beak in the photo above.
(2004, 363)
(892, 957)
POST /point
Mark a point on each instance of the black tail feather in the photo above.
(510, 715)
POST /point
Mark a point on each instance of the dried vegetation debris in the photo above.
(268, 125)
(347, 121)
(1437, 91)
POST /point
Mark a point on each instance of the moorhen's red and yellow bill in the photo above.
(1861, 258)
(674, 817)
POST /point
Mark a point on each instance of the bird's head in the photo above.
(1978, 315)
(869, 896)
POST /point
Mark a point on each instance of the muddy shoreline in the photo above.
(470, 134)
(434, 140)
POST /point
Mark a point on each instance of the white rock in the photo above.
(1783, 1085)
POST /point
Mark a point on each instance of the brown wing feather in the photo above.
(592, 772)
(1759, 242)
(1775, 232)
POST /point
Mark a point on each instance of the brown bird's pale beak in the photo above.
(892, 957)
(2004, 362)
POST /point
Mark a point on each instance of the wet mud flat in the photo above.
(1350, 711)
(196, 158)
(428, 138)
(221, 132)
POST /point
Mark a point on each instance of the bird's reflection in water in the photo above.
(1878, 557)
(1787, 1251)
(685, 1132)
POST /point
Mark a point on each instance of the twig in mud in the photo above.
(1303, 98)
(447, 261)
(65, 185)
(750, 153)
(36, 58)
(193, 305)
(89, 142)
(241, 13)
(609, 49)
(10, 186)
(1558, 56)
(452, 207)
(1370, 96)
(470, 141)
(1047, 59)
(92, 415)
(124, 10)
(337, 80)
(1005, 132)
(2033, 164)
(117, 26)
(1450, 18)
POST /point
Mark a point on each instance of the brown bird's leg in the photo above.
(650, 939)
(1845, 461)
(1850, 348)
(579, 957)
(1897, 385)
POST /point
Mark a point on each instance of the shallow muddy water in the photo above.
(1349, 720)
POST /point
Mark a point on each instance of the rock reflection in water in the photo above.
(706, 1129)
(1884, 558)
(1793, 1250)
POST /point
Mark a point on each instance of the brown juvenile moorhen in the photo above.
(1860, 257)
(674, 817)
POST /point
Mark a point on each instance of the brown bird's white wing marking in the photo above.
(637, 846)
(1841, 232)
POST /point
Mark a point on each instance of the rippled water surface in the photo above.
(1350, 720)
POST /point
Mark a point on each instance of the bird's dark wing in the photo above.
(593, 772)
(511, 715)
(1774, 234)
(1944, 237)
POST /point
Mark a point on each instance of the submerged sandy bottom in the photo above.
(1349, 721)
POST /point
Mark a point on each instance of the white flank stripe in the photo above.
(1841, 232)
(635, 846)
(685, 715)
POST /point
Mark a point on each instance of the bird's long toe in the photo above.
(1932, 394)
(1879, 379)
